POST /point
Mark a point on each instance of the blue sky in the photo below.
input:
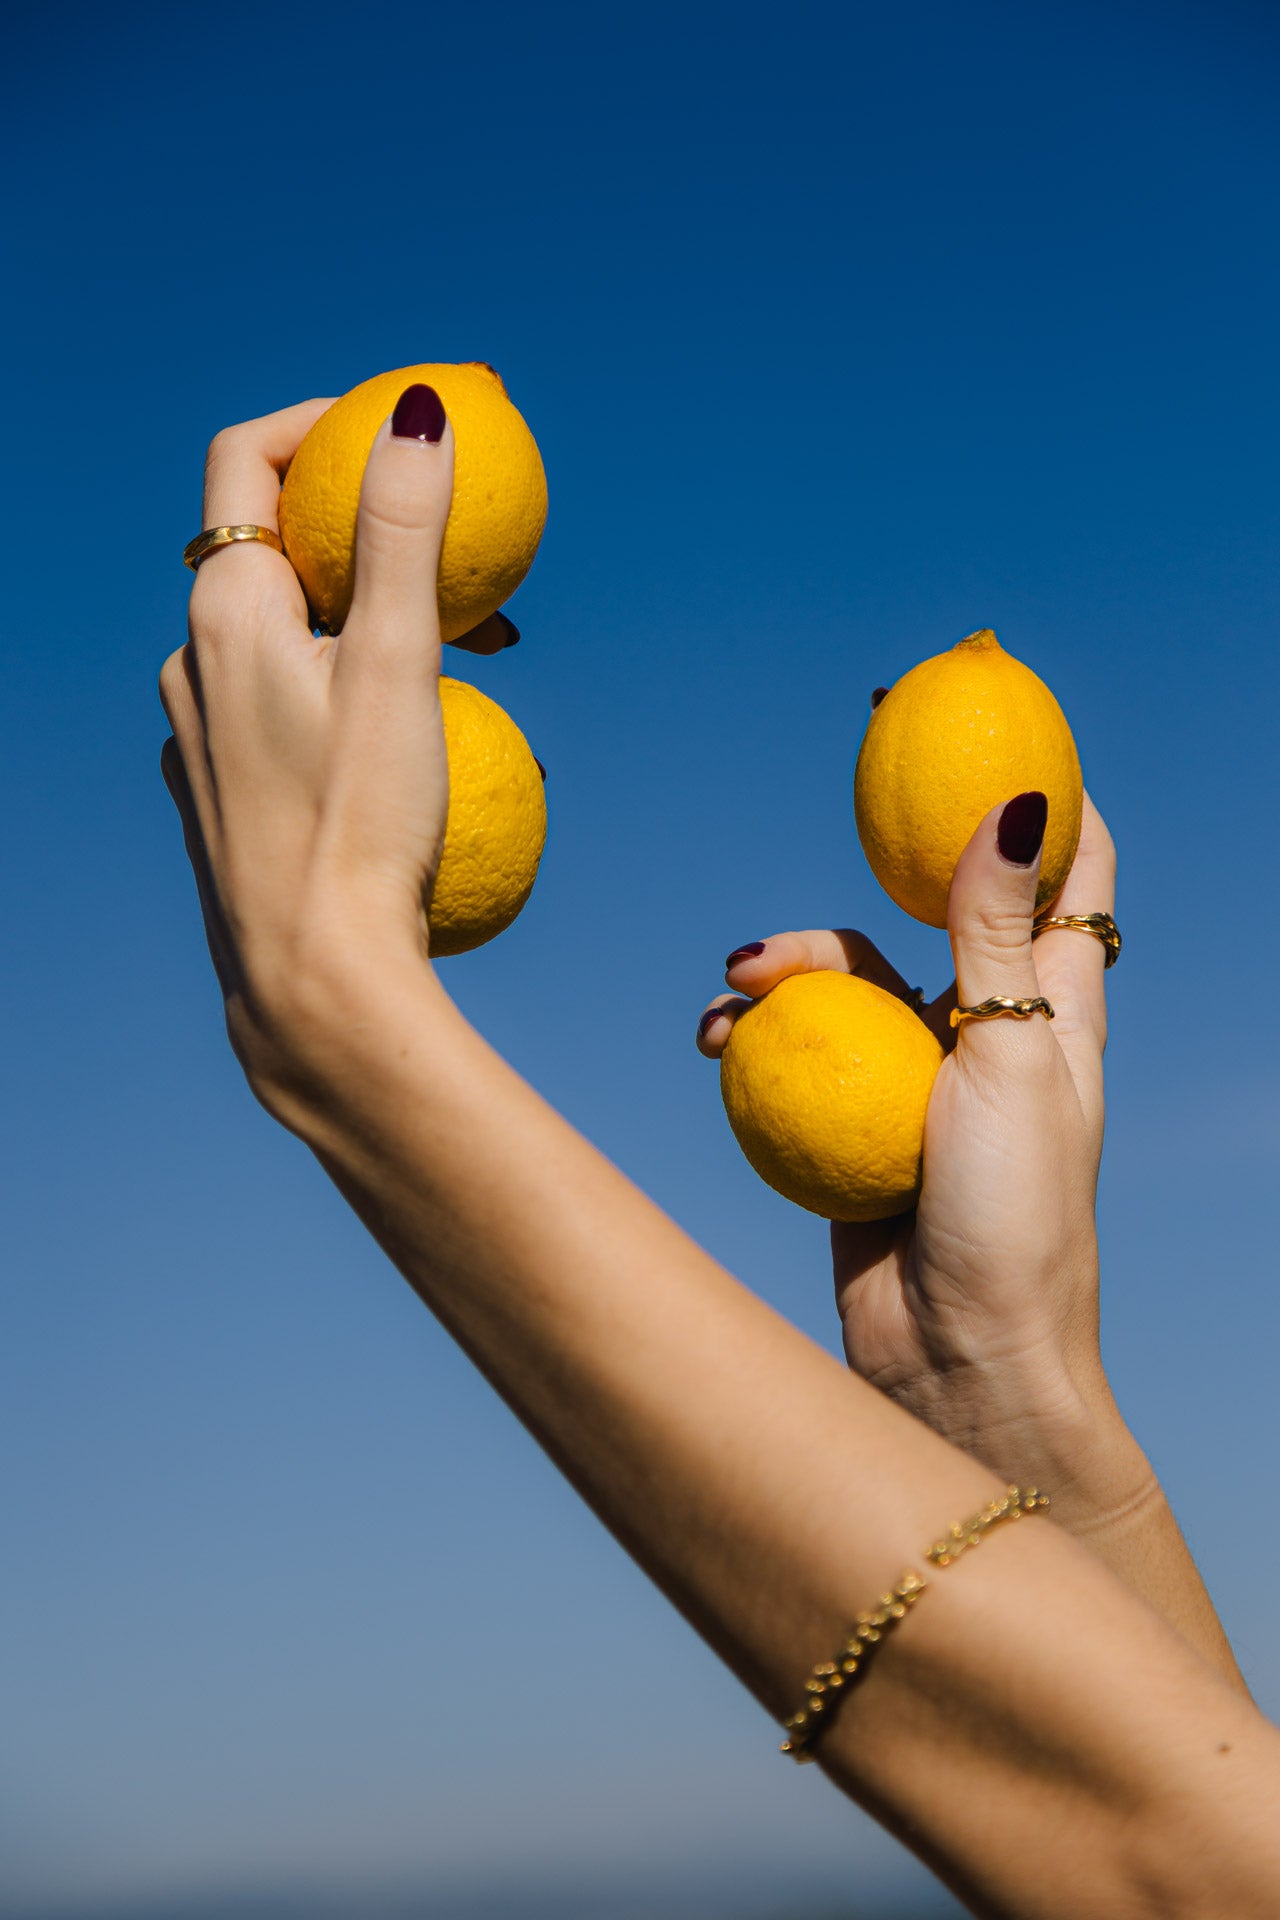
(844, 331)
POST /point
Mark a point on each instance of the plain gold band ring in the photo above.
(214, 537)
(998, 1008)
(1100, 925)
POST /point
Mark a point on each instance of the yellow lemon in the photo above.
(825, 1082)
(952, 739)
(496, 826)
(499, 495)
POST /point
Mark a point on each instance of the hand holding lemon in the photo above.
(977, 1308)
(973, 1301)
(827, 1093)
(497, 811)
(339, 800)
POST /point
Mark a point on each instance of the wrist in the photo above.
(1043, 1424)
(309, 1026)
(1092, 1466)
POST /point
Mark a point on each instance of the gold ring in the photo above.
(213, 537)
(995, 1009)
(1100, 925)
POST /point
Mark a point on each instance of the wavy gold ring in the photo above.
(214, 537)
(1100, 925)
(997, 1008)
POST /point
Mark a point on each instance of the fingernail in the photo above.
(709, 1019)
(419, 415)
(513, 631)
(541, 769)
(877, 695)
(749, 952)
(1020, 831)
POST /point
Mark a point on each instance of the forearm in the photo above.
(682, 1407)
(767, 1492)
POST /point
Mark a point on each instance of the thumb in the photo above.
(404, 504)
(992, 903)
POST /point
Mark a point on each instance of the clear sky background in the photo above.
(844, 330)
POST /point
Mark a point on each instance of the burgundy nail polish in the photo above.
(708, 1019)
(513, 631)
(877, 695)
(541, 769)
(419, 415)
(1020, 830)
(749, 952)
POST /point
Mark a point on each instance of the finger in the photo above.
(989, 912)
(178, 694)
(1075, 962)
(242, 473)
(716, 1024)
(1071, 964)
(183, 703)
(757, 967)
(245, 465)
(404, 504)
(182, 697)
(491, 636)
(937, 1017)
(868, 1263)
(175, 778)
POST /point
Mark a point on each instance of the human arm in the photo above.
(978, 1311)
(767, 1491)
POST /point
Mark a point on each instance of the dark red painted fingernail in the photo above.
(749, 952)
(1020, 831)
(541, 769)
(709, 1019)
(877, 695)
(419, 415)
(513, 631)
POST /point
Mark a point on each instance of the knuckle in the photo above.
(383, 528)
(1002, 930)
(223, 446)
(173, 679)
(391, 512)
(206, 605)
(230, 598)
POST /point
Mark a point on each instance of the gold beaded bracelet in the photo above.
(1011, 1505)
(830, 1680)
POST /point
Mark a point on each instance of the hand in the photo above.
(978, 1311)
(310, 773)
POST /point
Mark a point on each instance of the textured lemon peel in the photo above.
(496, 826)
(499, 497)
(825, 1083)
(930, 770)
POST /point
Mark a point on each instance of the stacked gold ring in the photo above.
(1100, 925)
(1001, 1006)
(214, 537)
